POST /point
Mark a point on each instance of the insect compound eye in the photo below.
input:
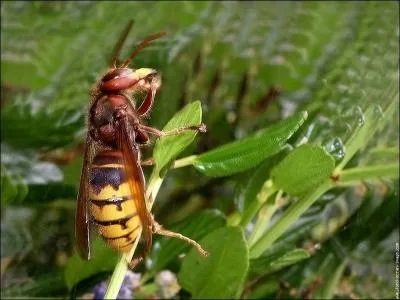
(119, 79)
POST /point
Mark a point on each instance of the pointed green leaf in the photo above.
(303, 169)
(247, 153)
(277, 261)
(222, 273)
(168, 148)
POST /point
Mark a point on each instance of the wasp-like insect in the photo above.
(111, 193)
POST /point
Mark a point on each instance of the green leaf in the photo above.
(352, 176)
(13, 189)
(222, 273)
(277, 261)
(303, 169)
(168, 148)
(247, 153)
(104, 259)
(195, 227)
(328, 288)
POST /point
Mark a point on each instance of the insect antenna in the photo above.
(121, 41)
(142, 45)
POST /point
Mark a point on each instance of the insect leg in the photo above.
(134, 262)
(200, 128)
(158, 229)
(147, 103)
(148, 162)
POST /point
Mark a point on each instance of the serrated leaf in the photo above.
(247, 153)
(222, 273)
(169, 147)
(277, 261)
(104, 259)
(303, 169)
(195, 227)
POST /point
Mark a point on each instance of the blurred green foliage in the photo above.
(254, 66)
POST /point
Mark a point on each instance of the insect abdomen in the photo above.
(111, 203)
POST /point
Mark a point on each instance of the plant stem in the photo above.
(120, 270)
(266, 191)
(385, 151)
(183, 162)
(329, 287)
(355, 175)
(288, 218)
(264, 216)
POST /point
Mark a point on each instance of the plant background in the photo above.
(251, 65)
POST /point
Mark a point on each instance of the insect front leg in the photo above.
(200, 128)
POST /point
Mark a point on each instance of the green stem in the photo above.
(183, 162)
(355, 175)
(120, 270)
(384, 151)
(263, 219)
(266, 191)
(330, 286)
(288, 218)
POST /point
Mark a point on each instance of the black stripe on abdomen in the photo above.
(127, 236)
(117, 201)
(121, 221)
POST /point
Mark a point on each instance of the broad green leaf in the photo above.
(247, 153)
(168, 148)
(222, 273)
(277, 261)
(195, 227)
(303, 169)
(104, 259)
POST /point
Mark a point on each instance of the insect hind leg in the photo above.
(135, 261)
(158, 229)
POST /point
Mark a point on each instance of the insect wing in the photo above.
(130, 153)
(82, 220)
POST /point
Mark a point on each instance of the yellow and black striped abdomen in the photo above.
(111, 203)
